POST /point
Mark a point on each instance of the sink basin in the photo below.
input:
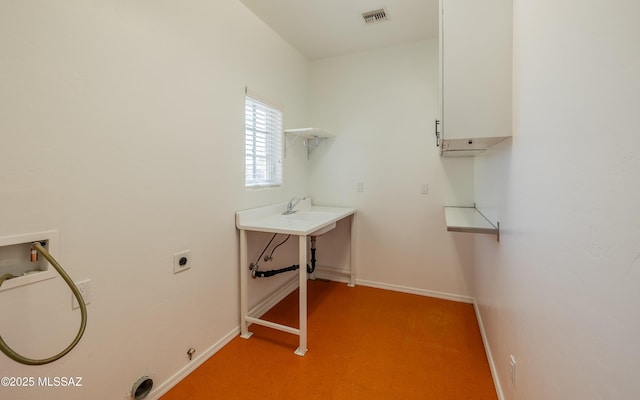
(313, 216)
(308, 220)
(308, 215)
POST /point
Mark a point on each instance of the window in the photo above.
(263, 144)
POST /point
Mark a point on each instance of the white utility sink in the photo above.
(307, 220)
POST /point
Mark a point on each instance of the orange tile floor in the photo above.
(364, 343)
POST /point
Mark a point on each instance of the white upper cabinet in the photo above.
(475, 75)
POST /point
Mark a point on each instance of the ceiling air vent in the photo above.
(375, 16)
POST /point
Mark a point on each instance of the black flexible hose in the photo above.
(265, 249)
(267, 274)
(278, 245)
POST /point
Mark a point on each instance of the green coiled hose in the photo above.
(83, 314)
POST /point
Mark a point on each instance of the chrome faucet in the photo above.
(292, 203)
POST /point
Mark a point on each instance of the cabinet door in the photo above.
(476, 63)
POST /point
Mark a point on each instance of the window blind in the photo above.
(263, 144)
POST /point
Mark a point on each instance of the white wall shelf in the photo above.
(311, 137)
(469, 219)
(310, 133)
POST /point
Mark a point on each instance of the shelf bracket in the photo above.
(470, 220)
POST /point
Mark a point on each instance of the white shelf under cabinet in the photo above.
(469, 219)
(467, 147)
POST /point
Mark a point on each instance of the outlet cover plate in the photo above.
(85, 290)
(182, 261)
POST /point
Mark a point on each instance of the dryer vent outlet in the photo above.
(141, 388)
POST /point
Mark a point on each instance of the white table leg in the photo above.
(302, 253)
(244, 295)
(352, 253)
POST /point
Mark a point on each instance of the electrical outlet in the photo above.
(512, 360)
(424, 188)
(84, 288)
(181, 261)
(360, 187)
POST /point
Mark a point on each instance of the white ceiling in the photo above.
(325, 28)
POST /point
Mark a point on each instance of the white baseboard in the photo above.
(487, 350)
(420, 292)
(189, 368)
(332, 274)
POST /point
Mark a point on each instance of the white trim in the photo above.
(189, 368)
(421, 292)
(341, 275)
(487, 350)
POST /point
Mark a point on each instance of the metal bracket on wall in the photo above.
(469, 219)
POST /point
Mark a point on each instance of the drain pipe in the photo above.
(255, 273)
(267, 274)
(311, 269)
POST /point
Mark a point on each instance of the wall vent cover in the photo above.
(375, 16)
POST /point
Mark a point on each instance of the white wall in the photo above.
(122, 127)
(560, 290)
(381, 105)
